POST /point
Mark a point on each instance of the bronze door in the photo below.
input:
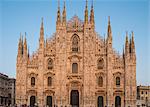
(74, 101)
(117, 101)
(100, 101)
(32, 101)
(49, 101)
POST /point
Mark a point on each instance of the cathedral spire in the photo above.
(92, 16)
(46, 43)
(86, 13)
(20, 46)
(28, 52)
(109, 27)
(123, 54)
(25, 47)
(58, 22)
(127, 44)
(132, 43)
(109, 32)
(28, 55)
(41, 40)
(42, 30)
(64, 14)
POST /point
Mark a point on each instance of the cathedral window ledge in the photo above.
(49, 88)
(33, 66)
(118, 88)
(100, 72)
(102, 91)
(100, 88)
(32, 88)
(75, 53)
(49, 72)
(48, 54)
(118, 67)
(74, 75)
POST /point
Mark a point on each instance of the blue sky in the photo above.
(25, 16)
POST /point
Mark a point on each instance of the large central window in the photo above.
(100, 63)
(100, 81)
(117, 81)
(74, 98)
(33, 81)
(74, 68)
(50, 64)
(75, 43)
(49, 81)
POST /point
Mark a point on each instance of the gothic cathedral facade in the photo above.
(76, 67)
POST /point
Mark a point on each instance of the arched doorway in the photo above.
(74, 98)
(100, 101)
(49, 101)
(117, 101)
(32, 101)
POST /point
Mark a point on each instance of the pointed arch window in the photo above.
(100, 63)
(117, 81)
(75, 43)
(100, 81)
(74, 68)
(50, 64)
(49, 81)
(33, 81)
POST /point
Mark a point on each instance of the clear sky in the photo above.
(25, 16)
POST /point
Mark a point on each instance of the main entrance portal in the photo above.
(100, 101)
(74, 98)
(49, 101)
(32, 101)
(117, 101)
